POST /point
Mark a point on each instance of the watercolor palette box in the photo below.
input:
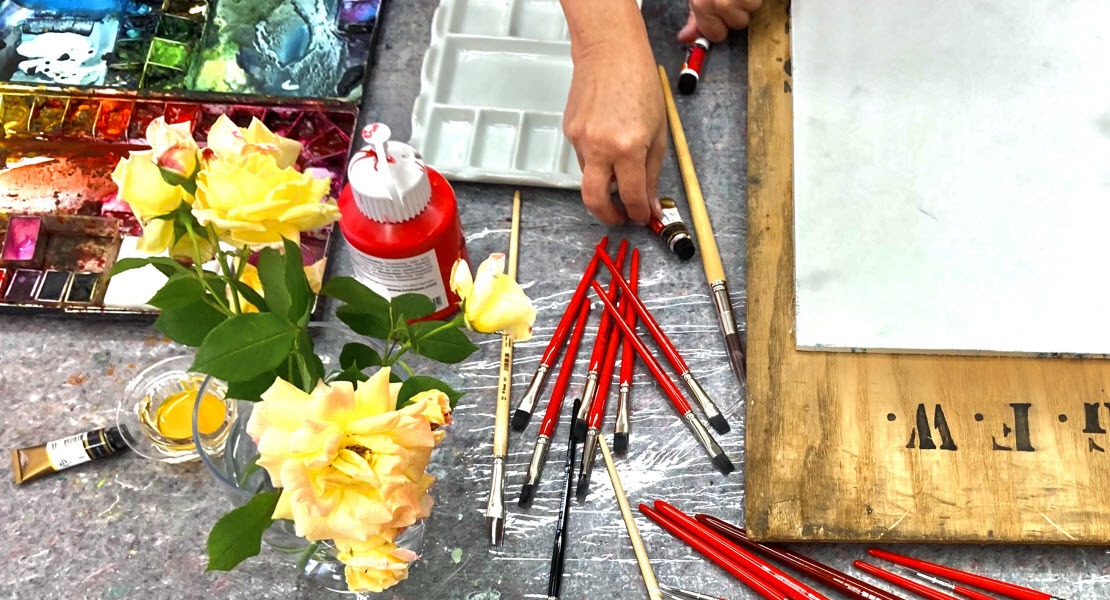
(292, 48)
(58, 205)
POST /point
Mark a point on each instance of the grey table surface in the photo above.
(130, 528)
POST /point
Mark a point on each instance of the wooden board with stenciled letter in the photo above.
(898, 447)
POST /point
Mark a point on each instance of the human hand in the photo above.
(616, 121)
(714, 18)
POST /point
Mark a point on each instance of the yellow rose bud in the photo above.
(256, 202)
(142, 187)
(350, 465)
(492, 301)
(374, 565)
(173, 146)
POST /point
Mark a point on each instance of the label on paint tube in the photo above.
(391, 277)
(67, 452)
(670, 212)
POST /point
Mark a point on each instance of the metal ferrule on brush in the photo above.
(495, 510)
(623, 396)
(702, 435)
(704, 401)
(734, 344)
(589, 450)
(539, 457)
(589, 392)
(532, 394)
(724, 307)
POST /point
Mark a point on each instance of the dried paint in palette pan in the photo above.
(25, 283)
(54, 286)
(83, 288)
(25, 242)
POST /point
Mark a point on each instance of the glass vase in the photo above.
(235, 473)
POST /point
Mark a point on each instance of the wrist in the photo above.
(607, 26)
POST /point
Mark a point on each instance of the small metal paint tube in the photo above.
(38, 461)
(672, 230)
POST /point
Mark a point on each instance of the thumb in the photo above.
(689, 31)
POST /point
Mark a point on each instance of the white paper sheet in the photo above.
(952, 175)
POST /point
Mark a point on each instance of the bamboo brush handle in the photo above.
(707, 243)
(650, 582)
(505, 376)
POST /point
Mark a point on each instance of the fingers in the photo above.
(714, 18)
(595, 193)
(632, 182)
(689, 31)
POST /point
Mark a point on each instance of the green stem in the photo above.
(221, 257)
(405, 367)
(306, 554)
(221, 301)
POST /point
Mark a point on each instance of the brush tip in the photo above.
(520, 419)
(583, 488)
(719, 424)
(620, 443)
(578, 431)
(526, 494)
(723, 464)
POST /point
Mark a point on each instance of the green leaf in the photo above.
(448, 345)
(354, 293)
(181, 290)
(251, 390)
(237, 536)
(409, 307)
(422, 383)
(296, 282)
(359, 355)
(187, 183)
(371, 323)
(251, 295)
(190, 324)
(251, 469)
(313, 364)
(271, 271)
(352, 374)
(165, 265)
(245, 346)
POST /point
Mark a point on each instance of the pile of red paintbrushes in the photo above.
(621, 309)
(728, 547)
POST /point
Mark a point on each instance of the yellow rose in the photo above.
(256, 202)
(492, 301)
(232, 143)
(351, 466)
(314, 273)
(141, 186)
(374, 565)
(173, 146)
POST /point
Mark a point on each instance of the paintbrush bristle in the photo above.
(520, 420)
(620, 443)
(526, 494)
(719, 424)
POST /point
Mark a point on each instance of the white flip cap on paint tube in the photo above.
(388, 180)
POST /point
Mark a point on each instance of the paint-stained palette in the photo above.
(295, 48)
(58, 207)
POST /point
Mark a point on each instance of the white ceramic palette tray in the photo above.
(493, 87)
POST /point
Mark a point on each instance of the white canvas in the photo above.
(952, 175)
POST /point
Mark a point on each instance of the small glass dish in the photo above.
(155, 413)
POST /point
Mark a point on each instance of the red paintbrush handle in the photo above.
(712, 554)
(563, 328)
(661, 377)
(1009, 590)
(551, 415)
(970, 593)
(601, 341)
(627, 356)
(597, 411)
(841, 582)
(906, 584)
(661, 338)
(794, 589)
